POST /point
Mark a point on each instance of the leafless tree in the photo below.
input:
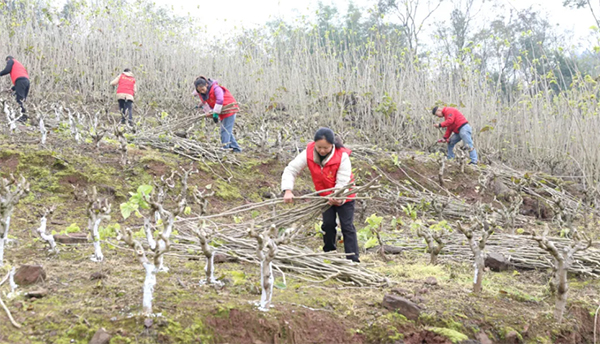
(478, 234)
(98, 209)
(11, 192)
(49, 238)
(267, 241)
(563, 258)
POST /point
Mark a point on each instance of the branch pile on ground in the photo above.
(294, 258)
(192, 149)
(520, 250)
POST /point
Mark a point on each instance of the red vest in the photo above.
(126, 85)
(227, 99)
(17, 71)
(325, 177)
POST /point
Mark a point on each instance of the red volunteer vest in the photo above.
(126, 85)
(326, 176)
(17, 71)
(227, 99)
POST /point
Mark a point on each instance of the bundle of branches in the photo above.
(551, 190)
(192, 149)
(520, 250)
(281, 218)
(300, 260)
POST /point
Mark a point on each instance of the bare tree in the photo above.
(201, 198)
(205, 236)
(266, 249)
(563, 258)
(11, 192)
(509, 214)
(11, 117)
(407, 11)
(434, 235)
(478, 235)
(119, 132)
(158, 227)
(98, 209)
(49, 238)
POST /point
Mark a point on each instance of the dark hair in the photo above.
(9, 58)
(434, 110)
(127, 70)
(328, 135)
(200, 81)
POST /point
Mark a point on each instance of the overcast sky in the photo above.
(222, 16)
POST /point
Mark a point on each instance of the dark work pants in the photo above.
(126, 106)
(21, 89)
(346, 214)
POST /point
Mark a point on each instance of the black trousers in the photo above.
(346, 214)
(21, 89)
(126, 106)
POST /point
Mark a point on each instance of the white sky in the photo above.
(224, 16)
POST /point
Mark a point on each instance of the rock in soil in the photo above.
(30, 274)
(73, 238)
(148, 323)
(403, 306)
(38, 293)
(483, 338)
(431, 281)
(513, 337)
(98, 275)
(101, 337)
(401, 291)
(496, 262)
(223, 258)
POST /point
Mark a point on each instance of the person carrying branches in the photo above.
(20, 81)
(329, 164)
(219, 104)
(456, 123)
(126, 89)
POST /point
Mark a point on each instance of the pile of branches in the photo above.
(294, 258)
(303, 262)
(189, 148)
(521, 251)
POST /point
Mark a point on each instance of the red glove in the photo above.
(443, 141)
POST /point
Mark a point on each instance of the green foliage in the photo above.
(318, 229)
(368, 233)
(73, 228)
(410, 211)
(109, 231)
(137, 201)
(452, 335)
(396, 223)
(238, 277)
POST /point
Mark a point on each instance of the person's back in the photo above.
(126, 89)
(20, 80)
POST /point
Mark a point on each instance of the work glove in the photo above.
(442, 141)
(215, 117)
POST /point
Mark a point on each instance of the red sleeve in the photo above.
(449, 120)
(448, 133)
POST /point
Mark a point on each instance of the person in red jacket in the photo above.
(219, 104)
(126, 88)
(20, 81)
(329, 164)
(456, 123)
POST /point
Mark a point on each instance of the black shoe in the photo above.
(122, 120)
(473, 163)
(23, 118)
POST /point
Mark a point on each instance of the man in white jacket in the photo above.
(329, 164)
